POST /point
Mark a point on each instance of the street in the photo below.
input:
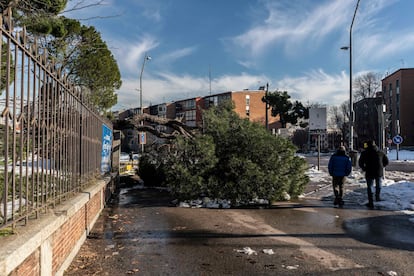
(141, 233)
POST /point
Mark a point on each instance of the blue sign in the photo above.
(142, 138)
(106, 149)
(397, 139)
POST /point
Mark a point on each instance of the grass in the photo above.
(5, 232)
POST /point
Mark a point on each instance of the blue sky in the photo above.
(293, 45)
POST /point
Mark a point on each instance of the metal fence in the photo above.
(50, 138)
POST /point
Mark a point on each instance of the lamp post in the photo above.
(146, 57)
(267, 107)
(351, 108)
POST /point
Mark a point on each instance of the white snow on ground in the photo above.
(395, 195)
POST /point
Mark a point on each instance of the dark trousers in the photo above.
(370, 187)
(338, 186)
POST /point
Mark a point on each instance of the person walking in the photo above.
(339, 166)
(373, 161)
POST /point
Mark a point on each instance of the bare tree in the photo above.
(366, 85)
(336, 118)
(345, 110)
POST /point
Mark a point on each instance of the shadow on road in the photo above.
(394, 231)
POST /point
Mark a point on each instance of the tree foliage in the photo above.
(287, 111)
(96, 69)
(3, 76)
(76, 49)
(39, 17)
(233, 159)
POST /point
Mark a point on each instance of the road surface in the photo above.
(143, 234)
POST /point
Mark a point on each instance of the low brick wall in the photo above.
(48, 245)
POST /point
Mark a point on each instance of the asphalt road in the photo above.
(141, 233)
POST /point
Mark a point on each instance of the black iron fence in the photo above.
(50, 138)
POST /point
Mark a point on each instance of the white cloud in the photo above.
(171, 57)
(166, 87)
(154, 14)
(380, 46)
(290, 25)
(300, 27)
(375, 40)
(316, 86)
(130, 55)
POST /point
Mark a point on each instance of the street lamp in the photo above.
(267, 107)
(351, 108)
(146, 57)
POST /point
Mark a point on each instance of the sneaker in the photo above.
(336, 201)
(341, 202)
(370, 205)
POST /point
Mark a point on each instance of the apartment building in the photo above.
(398, 96)
(247, 104)
(368, 121)
(189, 111)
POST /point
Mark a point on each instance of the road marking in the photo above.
(325, 258)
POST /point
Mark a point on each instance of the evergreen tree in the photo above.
(75, 49)
(96, 69)
(189, 166)
(234, 159)
(287, 111)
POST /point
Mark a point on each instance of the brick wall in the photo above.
(65, 238)
(49, 245)
(257, 112)
(30, 266)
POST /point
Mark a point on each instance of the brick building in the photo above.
(398, 96)
(247, 104)
(189, 111)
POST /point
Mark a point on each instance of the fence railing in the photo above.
(50, 137)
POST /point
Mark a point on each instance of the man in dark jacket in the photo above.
(372, 161)
(339, 167)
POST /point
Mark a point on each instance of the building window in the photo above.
(179, 116)
(390, 90)
(247, 100)
(397, 87)
(190, 115)
(189, 104)
(397, 105)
